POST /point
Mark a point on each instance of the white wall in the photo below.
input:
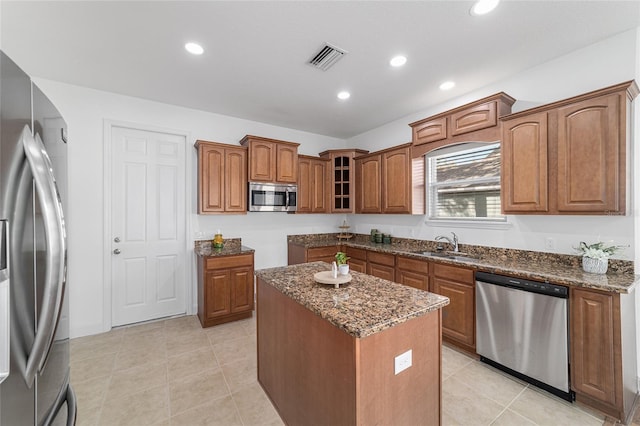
(600, 65)
(635, 187)
(85, 111)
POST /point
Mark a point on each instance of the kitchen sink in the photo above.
(447, 255)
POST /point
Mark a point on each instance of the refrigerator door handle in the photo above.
(5, 326)
(55, 240)
(72, 406)
(68, 396)
(5, 303)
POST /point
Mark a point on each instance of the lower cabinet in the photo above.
(603, 352)
(412, 272)
(358, 259)
(297, 253)
(322, 254)
(225, 288)
(459, 316)
(381, 265)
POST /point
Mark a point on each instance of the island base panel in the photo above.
(315, 373)
(413, 396)
(305, 364)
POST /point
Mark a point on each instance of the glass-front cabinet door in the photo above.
(342, 178)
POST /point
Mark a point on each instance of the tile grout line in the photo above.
(514, 400)
(104, 397)
(168, 384)
(224, 377)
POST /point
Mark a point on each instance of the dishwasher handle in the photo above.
(547, 289)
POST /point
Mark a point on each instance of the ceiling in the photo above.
(256, 53)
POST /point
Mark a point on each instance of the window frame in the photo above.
(466, 221)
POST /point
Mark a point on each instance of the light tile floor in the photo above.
(173, 372)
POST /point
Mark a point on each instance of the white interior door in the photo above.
(148, 225)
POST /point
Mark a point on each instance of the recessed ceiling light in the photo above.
(447, 85)
(194, 48)
(398, 61)
(482, 7)
(344, 95)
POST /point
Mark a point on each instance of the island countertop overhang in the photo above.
(365, 306)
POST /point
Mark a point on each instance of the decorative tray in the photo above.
(325, 277)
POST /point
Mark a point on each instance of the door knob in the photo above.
(117, 251)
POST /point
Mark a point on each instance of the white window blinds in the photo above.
(465, 184)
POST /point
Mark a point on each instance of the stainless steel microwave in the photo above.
(272, 197)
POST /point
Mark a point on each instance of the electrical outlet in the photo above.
(549, 244)
(403, 361)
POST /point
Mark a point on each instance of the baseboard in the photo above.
(75, 332)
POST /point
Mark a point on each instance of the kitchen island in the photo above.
(330, 356)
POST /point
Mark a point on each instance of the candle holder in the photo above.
(218, 242)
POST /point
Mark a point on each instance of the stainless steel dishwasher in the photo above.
(522, 328)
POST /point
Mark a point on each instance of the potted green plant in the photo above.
(341, 261)
(595, 257)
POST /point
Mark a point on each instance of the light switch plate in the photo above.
(402, 362)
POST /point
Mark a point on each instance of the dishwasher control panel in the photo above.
(522, 284)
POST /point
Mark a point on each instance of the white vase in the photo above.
(343, 269)
(595, 266)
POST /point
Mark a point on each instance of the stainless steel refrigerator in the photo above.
(34, 320)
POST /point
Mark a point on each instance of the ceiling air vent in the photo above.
(327, 56)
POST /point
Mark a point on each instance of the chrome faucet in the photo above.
(453, 242)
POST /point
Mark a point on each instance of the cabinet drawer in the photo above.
(413, 265)
(474, 118)
(356, 253)
(224, 262)
(381, 258)
(430, 131)
(358, 265)
(453, 273)
(381, 271)
(321, 252)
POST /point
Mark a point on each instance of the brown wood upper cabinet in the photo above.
(474, 118)
(431, 130)
(369, 184)
(222, 178)
(341, 173)
(313, 196)
(524, 164)
(568, 157)
(271, 160)
(384, 181)
(396, 180)
(462, 124)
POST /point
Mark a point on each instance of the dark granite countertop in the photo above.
(365, 306)
(539, 266)
(232, 247)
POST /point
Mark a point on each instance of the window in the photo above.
(463, 183)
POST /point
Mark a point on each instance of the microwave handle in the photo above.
(286, 198)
